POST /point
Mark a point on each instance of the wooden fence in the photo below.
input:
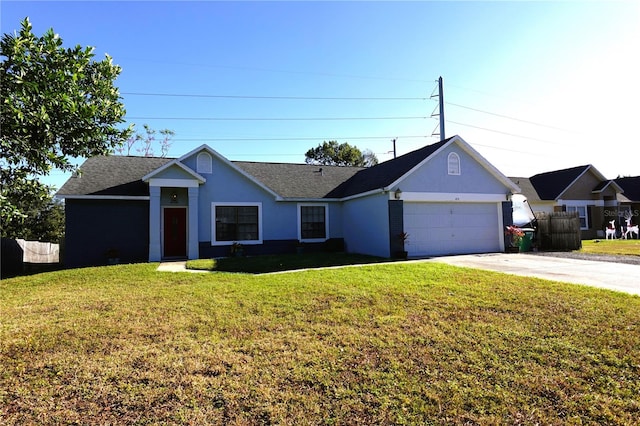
(559, 231)
(19, 257)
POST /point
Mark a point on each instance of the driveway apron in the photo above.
(609, 275)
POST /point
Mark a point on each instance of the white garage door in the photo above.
(441, 228)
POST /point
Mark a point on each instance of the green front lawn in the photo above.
(619, 247)
(398, 343)
(283, 262)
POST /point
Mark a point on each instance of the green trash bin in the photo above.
(525, 242)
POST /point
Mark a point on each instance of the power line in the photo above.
(322, 98)
(537, 154)
(510, 118)
(293, 138)
(502, 133)
(275, 119)
(244, 68)
(491, 95)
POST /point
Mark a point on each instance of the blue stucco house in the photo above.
(446, 196)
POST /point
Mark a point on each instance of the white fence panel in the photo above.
(37, 252)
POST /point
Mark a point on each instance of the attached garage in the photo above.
(452, 228)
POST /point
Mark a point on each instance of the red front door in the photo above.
(175, 232)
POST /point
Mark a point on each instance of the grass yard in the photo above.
(619, 247)
(283, 262)
(398, 343)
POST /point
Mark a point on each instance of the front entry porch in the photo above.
(173, 220)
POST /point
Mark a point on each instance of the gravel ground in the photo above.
(631, 260)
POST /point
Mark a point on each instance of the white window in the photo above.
(582, 214)
(236, 222)
(203, 163)
(453, 163)
(313, 222)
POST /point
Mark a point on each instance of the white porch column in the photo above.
(155, 251)
(194, 250)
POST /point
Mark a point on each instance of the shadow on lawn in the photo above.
(284, 262)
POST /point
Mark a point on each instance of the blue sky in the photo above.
(533, 86)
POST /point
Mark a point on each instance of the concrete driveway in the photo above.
(612, 276)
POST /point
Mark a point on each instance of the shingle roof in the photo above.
(550, 185)
(112, 175)
(118, 175)
(631, 187)
(299, 180)
(527, 188)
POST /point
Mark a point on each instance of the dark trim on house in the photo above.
(507, 220)
(96, 227)
(396, 227)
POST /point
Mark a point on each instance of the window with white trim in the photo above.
(313, 222)
(582, 214)
(241, 222)
(204, 163)
(453, 163)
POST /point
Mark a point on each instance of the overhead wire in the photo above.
(276, 118)
(305, 138)
(322, 98)
(508, 117)
(316, 73)
(337, 98)
(501, 132)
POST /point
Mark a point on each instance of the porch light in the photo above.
(174, 198)
(397, 194)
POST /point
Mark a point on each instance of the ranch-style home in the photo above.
(445, 196)
(582, 189)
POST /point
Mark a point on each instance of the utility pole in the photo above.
(394, 147)
(441, 100)
(440, 96)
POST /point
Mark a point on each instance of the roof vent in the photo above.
(321, 171)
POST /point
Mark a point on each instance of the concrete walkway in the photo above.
(609, 275)
(177, 266)
(613, 276)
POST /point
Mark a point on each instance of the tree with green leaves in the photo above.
(57, 103)
(42, 216)
(333, 154)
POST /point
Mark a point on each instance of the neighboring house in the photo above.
(629, 201)
(446, 196)
(582, 189)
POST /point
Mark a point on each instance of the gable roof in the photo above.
(97, 176)
(231, 164)
(605, 184)
(551, 185)
(384, 174)
(631, 187)
(173, 163)
(127, 176)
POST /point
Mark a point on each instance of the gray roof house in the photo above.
(446, 196)
(582, 189)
